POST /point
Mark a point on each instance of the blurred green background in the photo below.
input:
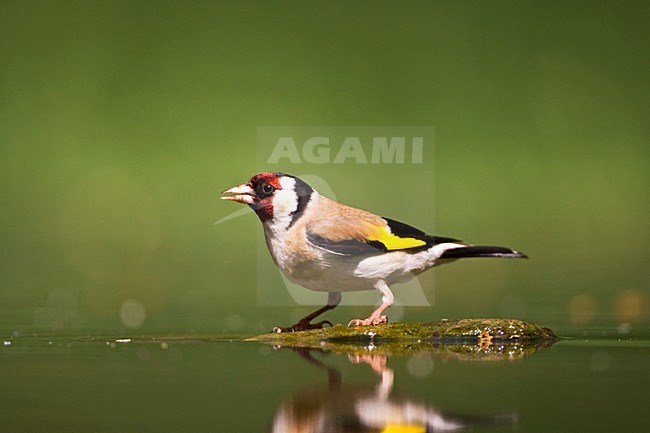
(120, 122)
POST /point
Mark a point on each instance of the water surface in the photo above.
(228, 385)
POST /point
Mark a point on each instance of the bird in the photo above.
(326, 246)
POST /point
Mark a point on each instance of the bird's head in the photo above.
(273, 196)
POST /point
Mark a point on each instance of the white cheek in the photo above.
(284, 203)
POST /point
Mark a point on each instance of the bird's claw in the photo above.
(302, 325)
(370, 321)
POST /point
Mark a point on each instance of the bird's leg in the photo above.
(376, 318)
(305, 323)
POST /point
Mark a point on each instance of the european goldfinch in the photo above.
(327, 246)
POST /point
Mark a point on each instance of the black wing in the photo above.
(354, 247)
(348, 247)
(406, 231)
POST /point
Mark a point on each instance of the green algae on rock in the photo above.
(441, 331)
(466, 338)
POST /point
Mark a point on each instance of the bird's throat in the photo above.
(264, 211)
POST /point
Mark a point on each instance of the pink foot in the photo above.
(372, 320)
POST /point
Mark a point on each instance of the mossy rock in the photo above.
(465, 338)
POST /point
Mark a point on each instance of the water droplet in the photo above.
(624, 328)
(582, 309)
(630, 307)
(133, 313)
(420, 366)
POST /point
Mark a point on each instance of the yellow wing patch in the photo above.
(394, 242)
(396, 428)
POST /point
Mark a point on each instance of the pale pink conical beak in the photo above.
(243, 193)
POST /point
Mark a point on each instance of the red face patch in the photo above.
(264, 185)
(272, 179)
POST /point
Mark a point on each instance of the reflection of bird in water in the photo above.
(366, 409)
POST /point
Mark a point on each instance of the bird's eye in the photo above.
(267, 189)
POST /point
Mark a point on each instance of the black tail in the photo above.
(482, 251)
